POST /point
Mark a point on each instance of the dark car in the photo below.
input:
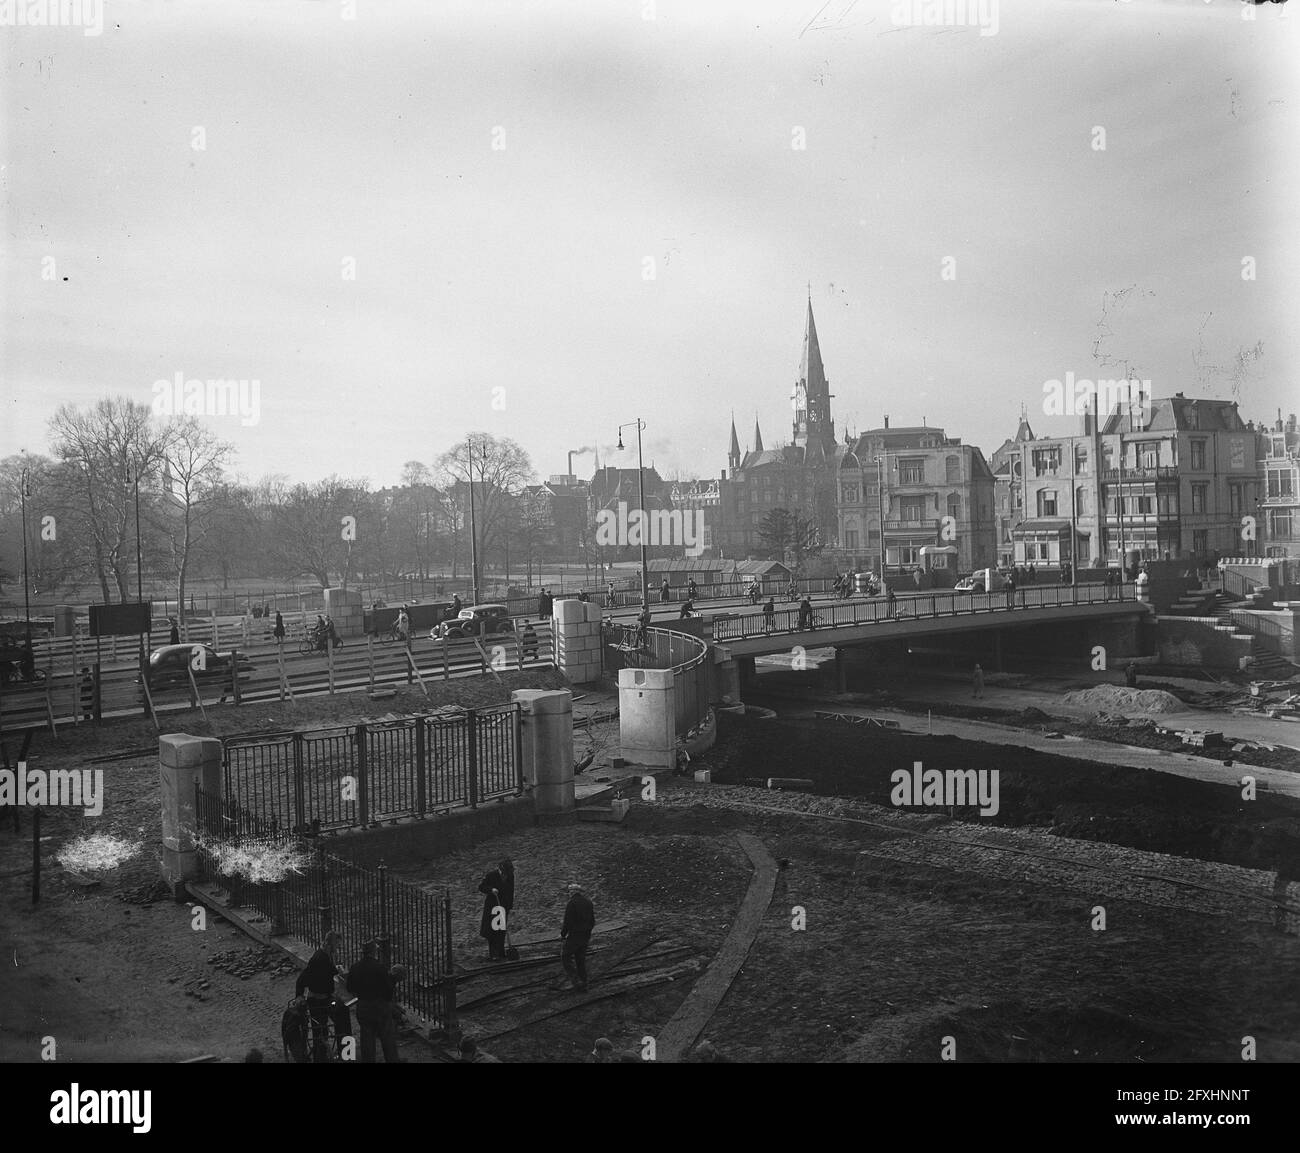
(167, 665)
(476, 621)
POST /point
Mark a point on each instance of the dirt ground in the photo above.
(915, 928)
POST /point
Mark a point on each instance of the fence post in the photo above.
(299, 799)
(98, 693)
(363, 782)
(322, 872)
(471, 728)
(448, 981)
(234, 674)
(421, 762)
(385, 943)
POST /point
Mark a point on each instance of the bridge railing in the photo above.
(921, 607)
(1275, 631)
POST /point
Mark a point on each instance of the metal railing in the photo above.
(923, 606)
(1274, 631)
(685, 655)
(355, 777)
(306, 892)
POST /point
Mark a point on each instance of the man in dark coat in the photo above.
(174, 636)
(317, 982)
(579, 922)
(805, 613)
(665, 592)
(370, 983)
(490, 887)
(279, 626)
(1011, 592)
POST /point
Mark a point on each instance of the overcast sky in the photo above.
(619, 139)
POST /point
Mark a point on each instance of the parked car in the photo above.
(476, 621)
(982, 580)
(167, 664)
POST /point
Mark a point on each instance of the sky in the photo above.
(411, 221)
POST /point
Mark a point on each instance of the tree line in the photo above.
(197, 519)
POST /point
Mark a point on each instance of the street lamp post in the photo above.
(640, 466)
(24, 491)
(881, 460)
(473, 528)
(134, 471)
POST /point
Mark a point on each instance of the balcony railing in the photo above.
(1163, 472)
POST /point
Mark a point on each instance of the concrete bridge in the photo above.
(941, 613)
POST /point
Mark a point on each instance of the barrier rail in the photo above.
(921, 607)
(356, 776)
(1274, 631)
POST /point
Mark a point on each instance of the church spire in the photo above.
(758, 436)
(813, 427)
(733, 453)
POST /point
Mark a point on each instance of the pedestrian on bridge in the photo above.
(611, 596)
(545, 605)
(688, 606)
(890, 598)
(792, 593)
(805, 614)
(1011, 592)
(692, 589)
(665, 592)
(769, 614)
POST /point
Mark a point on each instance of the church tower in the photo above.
(733, 452)
(814, 431)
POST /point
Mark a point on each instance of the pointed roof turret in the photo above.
(758, 436)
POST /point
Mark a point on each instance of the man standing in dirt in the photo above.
(977, 683)
(370, 983)
(579, 922)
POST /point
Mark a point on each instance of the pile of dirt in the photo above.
(1115, 699)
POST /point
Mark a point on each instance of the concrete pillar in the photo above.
(344, 605)
(840, 680)
(1294, 658)
(576, 628)
(546, 730)
(184, 761)
(746, 672)
(726, 676)
(65, 620)
(647, 716)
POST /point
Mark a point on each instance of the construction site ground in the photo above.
(915, 926)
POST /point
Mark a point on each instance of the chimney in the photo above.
(1290, 424)
(886, 420)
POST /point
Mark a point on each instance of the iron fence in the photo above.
(306, 892)
(353, 777)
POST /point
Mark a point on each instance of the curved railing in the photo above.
(685, 655)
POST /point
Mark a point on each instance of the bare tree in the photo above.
(501, 468)
(108, 447)
(194, 461)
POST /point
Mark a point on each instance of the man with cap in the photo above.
(372, 985)
(579, 921)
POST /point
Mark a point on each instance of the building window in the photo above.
(1200, 540)
(1279, 523)
(1046, 502)
(952, 467)
(1145, 505)
(912, 510)
(850, 492)
(1198, 456)
(1081, 459)
(1279, 482)
(1148, 454)
(1046, 461)
(911, 470)
(851, 540)
(1081, 502)
(1199, 495)
(1234, 499)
